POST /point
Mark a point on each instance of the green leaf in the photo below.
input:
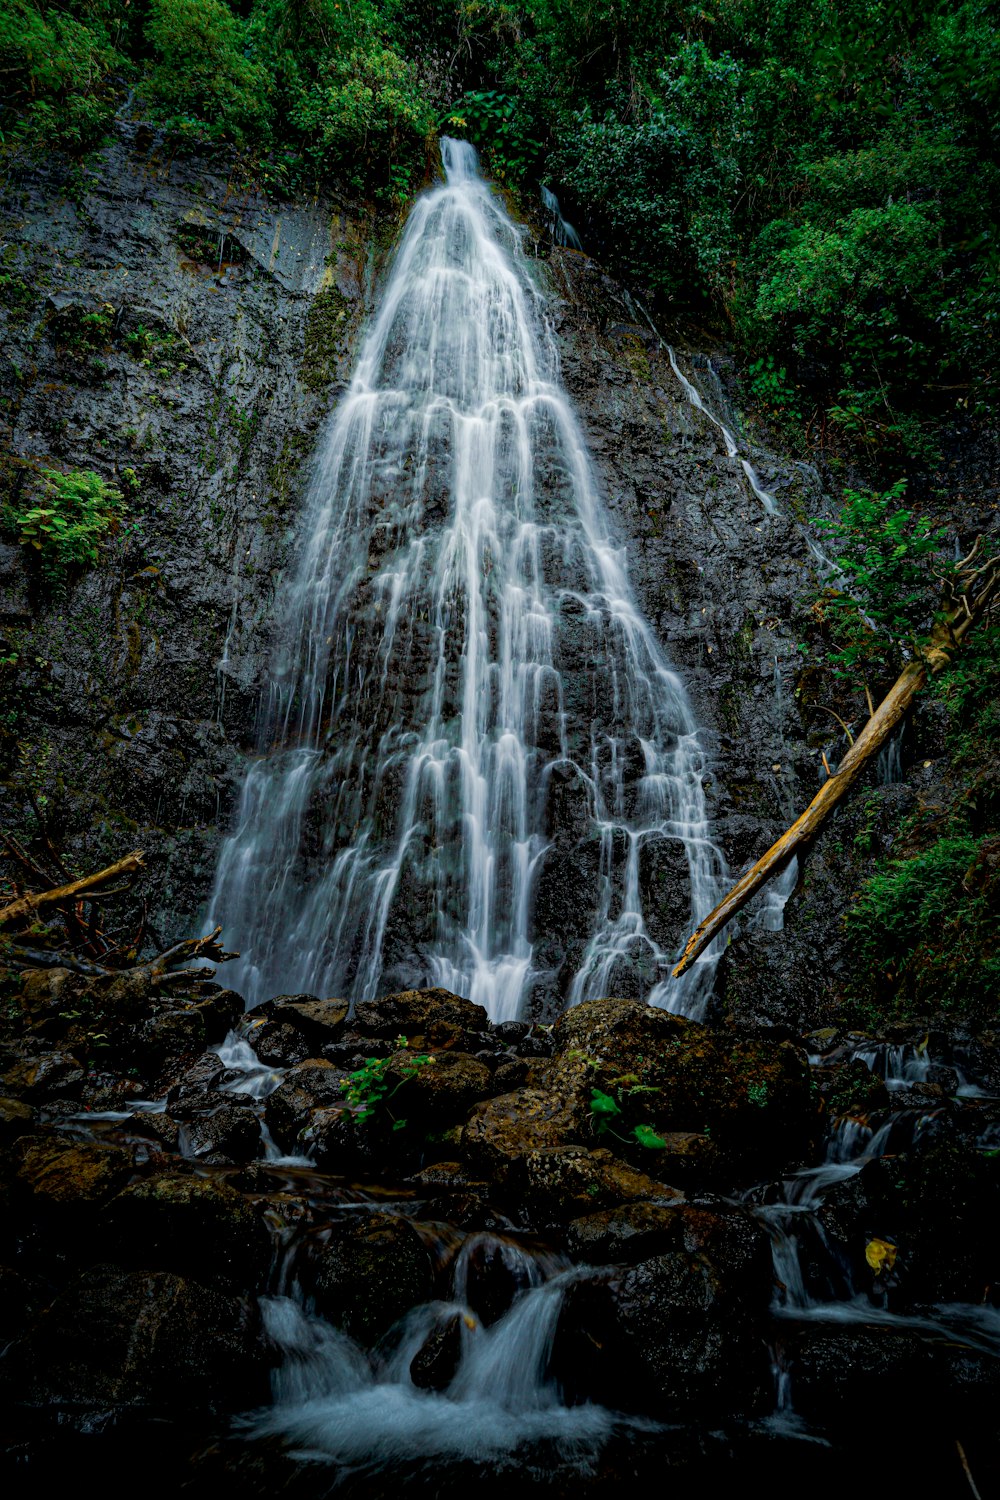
(647, 1136)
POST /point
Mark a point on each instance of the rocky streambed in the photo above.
(320, 1248)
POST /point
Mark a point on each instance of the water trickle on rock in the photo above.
(463, 674)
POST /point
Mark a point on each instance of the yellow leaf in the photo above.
(880, 1255)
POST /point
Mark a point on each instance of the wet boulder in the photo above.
(370, 1273)
(313, 1084)
(439, 1018)
(683, 1331)
(279, 1045)
(168, 1040)
(137, 1339)
(220, 1010)
(439, 1091)
(318, 1021)
(46, 1076)
(562, 1182)
(624, 1235)
(230, 1132)
(433, 1366)
(16, 1119)
(196, 1085)
(191, 1226)
(502, 1132)
(63, 1169)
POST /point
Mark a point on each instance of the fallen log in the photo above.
(969, 595)
(27, 905)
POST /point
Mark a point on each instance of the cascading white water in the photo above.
(332, 1403)
(461, 635)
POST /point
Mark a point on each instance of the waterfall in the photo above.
(333, 1404)
(461, 673)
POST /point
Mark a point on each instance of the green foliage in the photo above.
(927, 929)
(58, 74)
(67, 524)
(200, 77)
(969, 689)
(497, 125)
(361, 116)
(371, 1087)
(891, 561)
(606, 1112)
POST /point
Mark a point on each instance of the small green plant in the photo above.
(925, 928)
(891, 560)
(66, 526)
(371, 1086)
(605, 1110)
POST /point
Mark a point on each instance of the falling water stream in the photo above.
(461, 652)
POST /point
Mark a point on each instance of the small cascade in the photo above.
(462, 675)
(889, 764)
(814, 1281)
(334, 1402)
(900, 1066)
(562, 233)
(257, 1080)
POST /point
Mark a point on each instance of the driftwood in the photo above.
(160, 970)
(88, 886)
(968, 596)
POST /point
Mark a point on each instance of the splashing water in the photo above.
(461, 653)
(331, 1403)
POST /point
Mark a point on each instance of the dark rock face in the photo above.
(200, 396)
(369, 1278)
(137, 1339)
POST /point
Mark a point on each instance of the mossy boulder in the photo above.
(561, 1182)
(432, 1020)
(368, 1276)
(192, 1226)
(137, 1339)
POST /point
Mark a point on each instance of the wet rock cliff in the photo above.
(171, 329)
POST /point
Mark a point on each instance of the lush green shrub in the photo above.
(927, 929)
(200, 76)
(363, 120)
(68, 522)
(657, 174)
(891, 563)
(57, 73)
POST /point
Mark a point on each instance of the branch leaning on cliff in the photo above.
(969, 595)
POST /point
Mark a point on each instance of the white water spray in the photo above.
(461, 628)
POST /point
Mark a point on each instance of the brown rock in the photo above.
(501, 1133)
(320, 1020)
(372, 1275)
(16, 1119)
(60, 1171)
(439, 1091)
(561, 1182)
(438, 1017)
(627, 1234)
